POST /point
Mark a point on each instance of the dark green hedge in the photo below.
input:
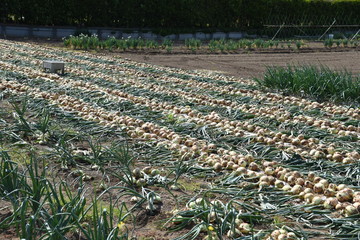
(221, 14)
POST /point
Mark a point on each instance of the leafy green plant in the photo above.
(193, 44)
(67, 41)
(168, 49)
(151, 44)
(82, 41)
(249, 44)
(167, 44)
(212, 46)
(329, 42)
(64, 151)
(345, 42)
(298, 44)
(135, 43)
(122, 44)
(44, 123)
(64, 211)
(111, 43)
(27, 224)
(20, 110)
(32, 191)
(94, 42)
(276, 43)
(102, 224)
(259, 43)
(35, 188)
(123, 162)
(271, 43)
(231, 45)
(10, 179)
(319, 83)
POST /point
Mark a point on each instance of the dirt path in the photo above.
(252, 64)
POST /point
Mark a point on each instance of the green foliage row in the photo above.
(46, 210)
(86, 42)
(47, 207)
(93, 42)
(224, 45)
(179, 14)
(338, 42)
(320, 83)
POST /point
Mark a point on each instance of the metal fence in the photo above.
(24, 31)
(283, 30)
(342, 25)
(310, 31)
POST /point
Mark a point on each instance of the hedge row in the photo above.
(204, 14)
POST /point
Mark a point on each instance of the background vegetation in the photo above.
(179, 14)
(320, 83)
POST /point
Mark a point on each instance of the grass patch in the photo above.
(320, 83)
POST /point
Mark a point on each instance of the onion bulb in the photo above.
(345, 195)
(330, 203)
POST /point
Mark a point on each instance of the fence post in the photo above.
(31, 31)
(355, 35)
(3, 29)
(328, 29)
(278, 31)
(54, 33)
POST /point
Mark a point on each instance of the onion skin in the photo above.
(330, 203)
(217, 167)
(296, 189)
(317, 200)
(279, 184)
(329, 193)
(275, 234)
(244, 228)
(350, 210)
(341, 206)
(356, 197)
(345, 195)
(309, 197)
(357, 206)
(291, 236)
(319, 188)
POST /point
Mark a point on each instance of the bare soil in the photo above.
(248, 65)
(245, 63)
(251, 64)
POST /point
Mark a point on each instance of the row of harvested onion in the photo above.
(308, 187)
(330, 108)
(292, 144)
(275, 112)
(334, 127)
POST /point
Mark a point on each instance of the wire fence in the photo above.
(288, 27)
(310, 31)
(340, 27)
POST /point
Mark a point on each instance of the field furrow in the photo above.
(210, 156)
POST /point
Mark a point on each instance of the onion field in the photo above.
(117, 149)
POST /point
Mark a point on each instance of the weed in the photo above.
(167, 43)
(193, 44)
(319, 83)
